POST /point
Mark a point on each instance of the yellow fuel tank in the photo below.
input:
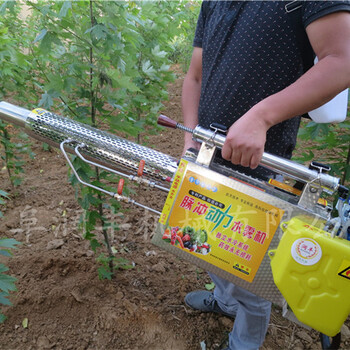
(312, 271)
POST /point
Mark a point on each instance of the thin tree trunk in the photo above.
(93, 121)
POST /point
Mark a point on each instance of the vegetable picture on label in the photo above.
(195, 241)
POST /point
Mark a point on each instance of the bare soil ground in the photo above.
(59, 292)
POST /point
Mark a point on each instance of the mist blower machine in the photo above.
(277, 239)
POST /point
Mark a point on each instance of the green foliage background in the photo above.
(104, 63)
(7, 282)
(330, 144)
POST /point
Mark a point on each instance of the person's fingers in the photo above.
(245, 159)
(226, 151)
(256, 159)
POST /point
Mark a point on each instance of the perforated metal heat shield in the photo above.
(100, 146)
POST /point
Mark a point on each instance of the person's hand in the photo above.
(245, 140)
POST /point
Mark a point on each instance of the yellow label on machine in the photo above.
(173, 190)
(39, 111)
(218, 224)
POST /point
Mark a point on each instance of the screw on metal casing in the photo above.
(313, 189)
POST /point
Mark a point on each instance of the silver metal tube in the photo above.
(298, 171)
(100, 189)
(130, 177)
(76, 174)
(101, 146)
(13, 114)
(76, 150)
(278, 164)
(147, 208)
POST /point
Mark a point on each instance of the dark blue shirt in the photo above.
(250, 51)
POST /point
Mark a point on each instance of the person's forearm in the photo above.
(330, 40)
(323, 81)
(245, 140)
(191, 90)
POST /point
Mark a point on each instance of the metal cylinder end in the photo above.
(13, 114)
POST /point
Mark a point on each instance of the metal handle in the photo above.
(278, 164)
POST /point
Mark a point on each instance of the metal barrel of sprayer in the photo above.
(275, 163)
(14, 114)
(109, 149)
(102, 147)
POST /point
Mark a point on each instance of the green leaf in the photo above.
(25, 323)
(7, 283)
(156, 52)
(67, 5)
(47, 41)
(46, 101)
(2, 318)
(122, 263)
(345, 124)
(40, 35)
(164, 68)
(210, 286)
(46, 147)
(94, 244)
(137, 19)
(4, 194)
(306, 157)
(92, 216)
(5, 253)
(4, 300)
(3, 268)
(124, 126)
(8, 243)
(88, 200)
(104, 273)
(55, 84)
(17, 181)
(99, 31)
(147, 68)
(6, 4)
(88, 235)
(69, 83)
(126, 82)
